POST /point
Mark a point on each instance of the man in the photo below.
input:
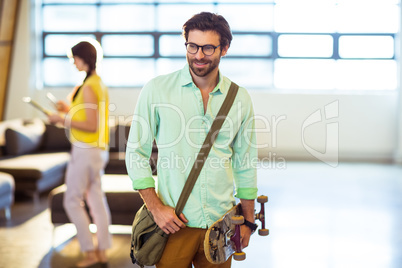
(177, 111)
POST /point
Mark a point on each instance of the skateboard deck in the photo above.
(218, 245)
(222, 239)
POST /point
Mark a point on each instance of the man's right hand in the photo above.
(164, 216)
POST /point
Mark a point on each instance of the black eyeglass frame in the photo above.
(202, 48)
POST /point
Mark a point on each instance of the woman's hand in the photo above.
(55, 118)
(62, 106)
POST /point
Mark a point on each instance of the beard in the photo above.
(211, 65)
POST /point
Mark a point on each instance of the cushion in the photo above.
(8, 124)
(23, 139)
(55, 138)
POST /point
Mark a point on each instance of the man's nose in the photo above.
(199, 55)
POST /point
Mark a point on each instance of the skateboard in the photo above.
(222, 239)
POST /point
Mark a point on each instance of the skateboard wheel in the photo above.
(262, 199)
(239, 256)
(263, 232)
(237, 220)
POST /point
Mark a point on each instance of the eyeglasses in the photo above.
(208, 50)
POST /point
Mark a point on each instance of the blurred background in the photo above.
(294, 57)
(324, 77)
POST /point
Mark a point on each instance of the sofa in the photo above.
(117, 151)
(123, 201)
(36, 154)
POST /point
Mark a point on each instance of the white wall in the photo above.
(363, 126)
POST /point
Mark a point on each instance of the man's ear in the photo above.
(224, 50)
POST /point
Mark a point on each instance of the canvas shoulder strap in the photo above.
(206, 147)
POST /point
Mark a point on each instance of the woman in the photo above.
(87, 121)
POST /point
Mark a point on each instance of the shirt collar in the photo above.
(185, 76)
(187, 80)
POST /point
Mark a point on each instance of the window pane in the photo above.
(242, 1)
(317, 18)
(370, 19)
(127, 72)
(60, 44)
(365, 2)
(186, 1)
(66, 18)
(166, 66)
(172, 17)
(115, 18)
(304, 74)
(127, 1)
(248, 73)
(305, 45)
(172, 45)
(366, 46)
(128, 45)
(253, 45)
(69, 1)
(58, 72)
(248, 17)
(366, 74)
(306, 1)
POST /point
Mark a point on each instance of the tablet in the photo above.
(52, 98)
(36, 105)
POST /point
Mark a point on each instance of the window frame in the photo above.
(156, 35)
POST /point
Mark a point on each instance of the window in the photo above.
(284, 44)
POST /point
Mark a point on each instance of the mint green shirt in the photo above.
(170, 110)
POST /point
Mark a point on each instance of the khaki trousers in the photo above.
(186, 247)
(83, 180)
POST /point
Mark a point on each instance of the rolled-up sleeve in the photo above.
(245, 155)
(140, 141)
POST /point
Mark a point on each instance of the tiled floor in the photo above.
(318, 216)
(349, 216)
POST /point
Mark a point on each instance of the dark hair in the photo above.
(206, 21)
(87, 52)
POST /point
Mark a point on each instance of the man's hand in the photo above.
(164, 216)
(245, 234)
(248, 213)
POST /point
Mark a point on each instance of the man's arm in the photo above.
(139, 148)
(245, 172)
(164, 216)
(248, 214)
